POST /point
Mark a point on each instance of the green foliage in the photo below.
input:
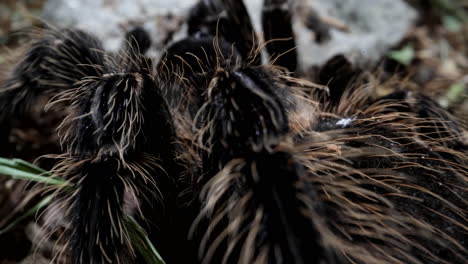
(21, 170)
(452, 14)
(404, 56)
(452, 24)
(142, 243)
(456, 92)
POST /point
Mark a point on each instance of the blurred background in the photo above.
(424, 41)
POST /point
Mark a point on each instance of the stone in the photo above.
(373, 26)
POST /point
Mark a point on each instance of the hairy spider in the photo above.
(226, 160)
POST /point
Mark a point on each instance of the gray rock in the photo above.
(110, 19)
(374, 25)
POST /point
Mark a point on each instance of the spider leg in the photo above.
(6, 148)
(241, 31)
(413, 153)
(249, 186)
(98, 233)
(138, 39)
(436, 124)
(279, 34)
(131, 57)
(338, 74)
(51, 64)
(229, 20)
(243, 117)
(258, 205)
(240, 123)
(120, 139)
(190, 63)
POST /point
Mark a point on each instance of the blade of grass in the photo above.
(21, 170)
(23, 175)
(142, 243)
(23, 165)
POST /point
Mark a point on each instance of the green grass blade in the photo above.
(22, 170)
(141, 242)
(23, 175)
(22, 165)
(30, 167)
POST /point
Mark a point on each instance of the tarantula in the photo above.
(226, 160)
